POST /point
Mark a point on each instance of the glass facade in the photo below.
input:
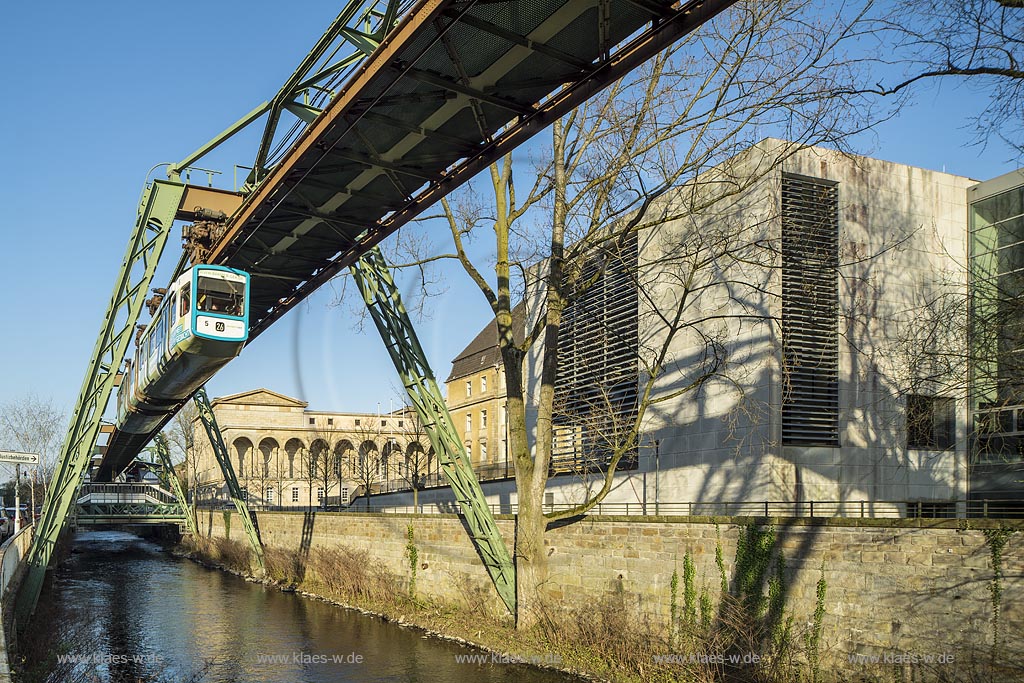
(996, 224)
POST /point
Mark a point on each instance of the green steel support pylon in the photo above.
(164, 453)
(160, 201)
(220, 451)
(385, 306)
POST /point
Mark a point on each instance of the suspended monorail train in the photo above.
(201, 324)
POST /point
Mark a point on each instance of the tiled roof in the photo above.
(483, 351)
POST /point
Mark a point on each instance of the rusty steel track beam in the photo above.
(351, 105)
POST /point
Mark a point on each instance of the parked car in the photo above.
(9, 515)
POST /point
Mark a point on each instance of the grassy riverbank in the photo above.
(601, 642)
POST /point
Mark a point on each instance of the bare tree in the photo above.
(323, 459)
(603, 188)
(263, 469)
(415, 460)
(363, 465)
(34, 425)
(980, 41)
(181, 437)
(952, 342)
(309, 457)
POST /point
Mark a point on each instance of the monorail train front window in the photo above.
(218, 295)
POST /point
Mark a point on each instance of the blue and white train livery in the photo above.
(201, 324)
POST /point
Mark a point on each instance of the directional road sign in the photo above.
(20, 458)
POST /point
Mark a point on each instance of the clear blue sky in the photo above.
(98, 93)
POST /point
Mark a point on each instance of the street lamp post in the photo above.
(17, 498)
(32, 495)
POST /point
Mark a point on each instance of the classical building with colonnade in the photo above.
(287, 455)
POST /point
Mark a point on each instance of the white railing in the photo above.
(928, 509)
(124, 493)
(12, 552)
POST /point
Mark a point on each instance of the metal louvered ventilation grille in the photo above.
(598, 372)
(810, 311)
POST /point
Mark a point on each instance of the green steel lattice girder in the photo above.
(168, 511)
(160, 201)
(220, 451)
(389, 315)
(164, 453)
(310, 74)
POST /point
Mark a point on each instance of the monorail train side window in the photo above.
(165, 327)
(186, 299)
(158, 337)
(126, 381)
(219, 295)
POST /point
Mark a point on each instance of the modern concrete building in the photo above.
(799, 317)
(780, 302)
(820, 354)
(287, 455)
(817, 388)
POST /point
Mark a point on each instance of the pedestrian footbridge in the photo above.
(100, 504)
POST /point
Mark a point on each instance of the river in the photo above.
(122, 609)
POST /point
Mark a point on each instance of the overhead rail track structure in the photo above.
(455, 86)
(398, 104)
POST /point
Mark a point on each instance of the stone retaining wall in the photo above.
(893, 586)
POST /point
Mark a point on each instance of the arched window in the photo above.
(343, 453)
(319, 458)
(243, 447)
(293, 450)
(268, 449)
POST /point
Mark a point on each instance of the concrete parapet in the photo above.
(12, 565)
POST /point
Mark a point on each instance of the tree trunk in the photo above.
(532, 469)
(531, 477)
(531, 560)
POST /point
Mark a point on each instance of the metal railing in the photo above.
(125, 493)
(862, 509)
(490, 472)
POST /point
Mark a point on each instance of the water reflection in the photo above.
(122, 610)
